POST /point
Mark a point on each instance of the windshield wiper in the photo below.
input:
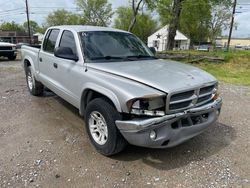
(106, 57)
(126, 58)
(141, 56)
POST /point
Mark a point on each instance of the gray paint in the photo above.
(119, 81)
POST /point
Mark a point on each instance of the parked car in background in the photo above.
(247, 47)
(238, 46)
(8, 50)
(124, 92)
(204, 48)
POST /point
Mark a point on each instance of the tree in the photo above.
(63, 17)
(144, 27)
(136, 5)
(34, 27)
(195, 23)
(199, 20)
(96, 12)
(135, 8)
(170, 11)
(174, 23)
(220, 19)
(11, 26)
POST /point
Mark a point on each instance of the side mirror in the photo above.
(65, 53)
(152, 49)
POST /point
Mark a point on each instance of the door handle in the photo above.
(55, 65)
(40, 59)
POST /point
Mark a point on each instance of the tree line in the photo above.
(200, 20)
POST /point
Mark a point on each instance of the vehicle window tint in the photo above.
(68, 40)
(46, 39)
(51, 41)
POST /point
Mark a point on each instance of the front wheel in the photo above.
(101, 128)
(35, 87)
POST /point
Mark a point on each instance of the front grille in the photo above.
(206, 89)
(180, 96)
(192, 98)
(179, 105)
(5, 48)
(205, 98)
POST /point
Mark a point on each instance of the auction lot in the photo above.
(44, 144)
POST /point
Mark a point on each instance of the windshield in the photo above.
(108, 46)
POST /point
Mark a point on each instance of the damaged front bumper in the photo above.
(170, 130)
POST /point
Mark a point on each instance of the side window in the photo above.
(46, 39)
(68, 40)
(50, 42)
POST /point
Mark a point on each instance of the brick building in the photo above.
(16, 37)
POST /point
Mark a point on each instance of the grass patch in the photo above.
(235, 69)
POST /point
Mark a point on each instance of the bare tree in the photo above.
(220, 21)
(135, 7)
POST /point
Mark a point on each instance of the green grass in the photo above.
(235, 69)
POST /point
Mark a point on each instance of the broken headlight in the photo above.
(149, 106)
(215, 93)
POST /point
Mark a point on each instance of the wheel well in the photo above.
(26, 64)
(89, 95)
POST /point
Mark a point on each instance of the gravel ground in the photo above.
(44, 144)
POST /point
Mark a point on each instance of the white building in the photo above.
(159, 40)
(39, 36)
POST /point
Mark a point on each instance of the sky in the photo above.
(14, 10)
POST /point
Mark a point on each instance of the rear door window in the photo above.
(50, 42)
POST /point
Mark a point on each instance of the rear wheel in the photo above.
(35, 87)
(101, 128)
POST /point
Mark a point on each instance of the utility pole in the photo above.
(28, 19)
(232, 24)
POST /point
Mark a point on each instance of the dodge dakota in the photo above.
(125, 94)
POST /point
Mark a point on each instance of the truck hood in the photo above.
(165, 75)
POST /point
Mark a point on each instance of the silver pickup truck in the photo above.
(125, 94)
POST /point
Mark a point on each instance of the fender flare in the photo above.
(102, 90)
(31, 63)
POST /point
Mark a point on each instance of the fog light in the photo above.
(152, 135)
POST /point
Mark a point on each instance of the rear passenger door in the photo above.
(46, 59)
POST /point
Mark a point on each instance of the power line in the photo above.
(11, 10)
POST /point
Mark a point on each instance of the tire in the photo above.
(104, 113)
(35, 88)
(12, 58)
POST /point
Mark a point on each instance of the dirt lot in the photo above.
(44, 144)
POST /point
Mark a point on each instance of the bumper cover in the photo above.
(172, 129)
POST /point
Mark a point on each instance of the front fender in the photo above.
(106, 92)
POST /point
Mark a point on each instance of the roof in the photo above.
(80, 28)
(164, 32)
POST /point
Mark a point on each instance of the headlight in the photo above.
(149, 106)
(215, 93)
(13, 47)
